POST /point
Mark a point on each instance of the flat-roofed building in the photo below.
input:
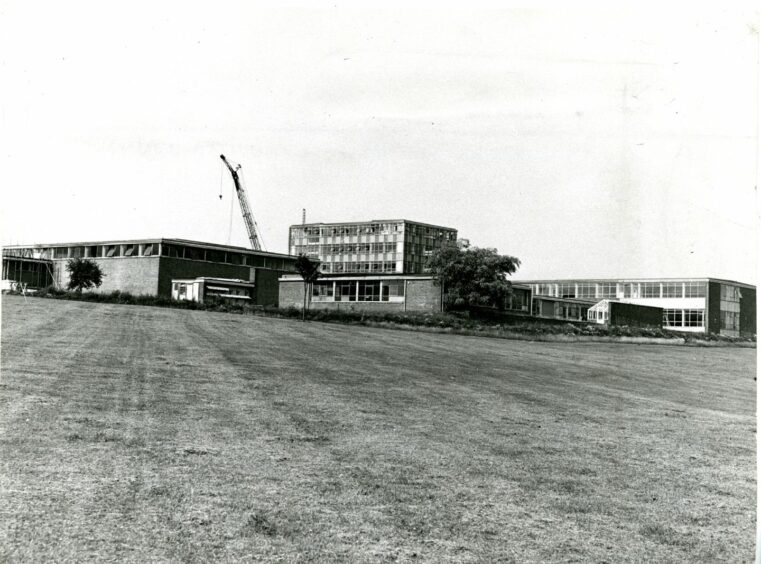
(382, 293)
(708, 305)
(395, 246)
(148, 266)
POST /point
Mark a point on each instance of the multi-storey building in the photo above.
(372, 247)
(689, 304)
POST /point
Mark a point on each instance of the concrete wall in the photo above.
(635, 315)
(137, 275)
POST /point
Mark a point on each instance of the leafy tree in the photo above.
(473, 276)
(83, 274)
(309, 270)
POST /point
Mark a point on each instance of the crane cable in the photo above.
(230, 221)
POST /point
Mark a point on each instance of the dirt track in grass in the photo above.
(135, 433)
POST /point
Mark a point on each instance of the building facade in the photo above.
(148, 266)
(364, 293)
(690, 304)
(371, 247)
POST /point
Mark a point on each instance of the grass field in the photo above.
(144, 434)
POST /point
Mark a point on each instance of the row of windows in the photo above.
(358, 291)
(683, 318)
(603, 290)
(347, 248)
(344, 230)
(371, 266)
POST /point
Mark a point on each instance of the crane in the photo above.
(248, 218)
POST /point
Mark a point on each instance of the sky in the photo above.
(599, 140)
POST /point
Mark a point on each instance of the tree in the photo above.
(473, 276)
(83, 274)
(310, 271)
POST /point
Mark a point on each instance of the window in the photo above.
(544, 289)
(694, 290)
(369, 291)
(673, 317)
(393, 290)
(585, 290)
(650, 289)
(730, 320)
(607, 289)
(730, 293)
(672, 289)
(567, 290)
(693, 317)
(149, 250)
(346, 291)
(193, 253)
(113, 251)
(215, 256)
(322, 291)
(630, 290)
(130, 250)
(77, 252)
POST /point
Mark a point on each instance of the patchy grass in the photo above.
(147, 434)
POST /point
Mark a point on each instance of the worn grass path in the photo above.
(145, 434)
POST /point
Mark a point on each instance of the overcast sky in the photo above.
(616, 141)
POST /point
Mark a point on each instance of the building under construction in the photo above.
(149, 266)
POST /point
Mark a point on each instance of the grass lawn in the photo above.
(145, 434)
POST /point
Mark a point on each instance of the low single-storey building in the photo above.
(364, 293)
(148, 266)
(201, 289)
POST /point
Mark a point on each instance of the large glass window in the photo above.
(672, 289)
(346, 291)
(650, 289)
(193, 253)
(369, 291)
(630, 290)
(322, 291)
(672, 317)
(607, 289)
(393, 289)
(585, 290)
(567, 290)
(694, 290)
(693, 317)
(730, 320)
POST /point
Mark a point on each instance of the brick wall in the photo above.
(423, 295)
(291, 294)
(138, 275)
